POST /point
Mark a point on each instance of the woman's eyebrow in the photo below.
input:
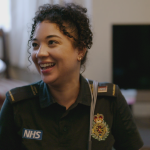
(49, 36)
(34, 39)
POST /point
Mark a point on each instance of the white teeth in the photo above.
(48, 64)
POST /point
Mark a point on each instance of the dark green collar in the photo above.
(84, 96)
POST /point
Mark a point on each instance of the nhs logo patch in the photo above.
(32, 134)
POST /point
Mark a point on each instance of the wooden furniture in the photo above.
(4, 58)
(6, 82)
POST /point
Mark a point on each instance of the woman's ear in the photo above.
(81, 54)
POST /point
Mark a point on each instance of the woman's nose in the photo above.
(42, 52)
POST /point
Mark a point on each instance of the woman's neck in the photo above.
(67, 93)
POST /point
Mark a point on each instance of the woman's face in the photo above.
(54, 55)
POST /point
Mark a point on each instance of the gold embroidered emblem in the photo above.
(100, 129)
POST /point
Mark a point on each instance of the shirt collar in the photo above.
(44, 95)
(84, 96)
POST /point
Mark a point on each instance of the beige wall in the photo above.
(105, 14)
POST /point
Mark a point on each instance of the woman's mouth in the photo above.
(46, 66)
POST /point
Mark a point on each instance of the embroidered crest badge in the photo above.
(100, 129)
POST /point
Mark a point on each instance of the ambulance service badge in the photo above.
(100, 129)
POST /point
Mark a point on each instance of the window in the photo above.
(5, 15)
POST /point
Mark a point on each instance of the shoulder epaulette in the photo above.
(22, 93)
(105, 89)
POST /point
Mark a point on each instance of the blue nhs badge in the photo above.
(32, 134)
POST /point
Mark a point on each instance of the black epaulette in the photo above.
(22, 93)
(105, 89)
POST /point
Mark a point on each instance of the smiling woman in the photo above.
(52, 50)
(65, 111)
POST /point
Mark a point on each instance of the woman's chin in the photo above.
(48, 80)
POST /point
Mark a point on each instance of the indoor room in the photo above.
(119, 52)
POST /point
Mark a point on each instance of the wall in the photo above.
(105, 14)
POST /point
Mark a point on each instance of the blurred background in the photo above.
(120, 51)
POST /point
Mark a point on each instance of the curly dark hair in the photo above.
(71, 14)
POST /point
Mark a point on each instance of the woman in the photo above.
(54, 113)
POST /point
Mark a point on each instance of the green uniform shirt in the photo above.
(31, 119)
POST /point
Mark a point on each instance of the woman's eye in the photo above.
(34, 45)
(52, 42)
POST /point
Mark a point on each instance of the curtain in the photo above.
(22, 12)
(5, 19)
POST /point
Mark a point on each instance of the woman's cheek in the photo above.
(33, 56)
